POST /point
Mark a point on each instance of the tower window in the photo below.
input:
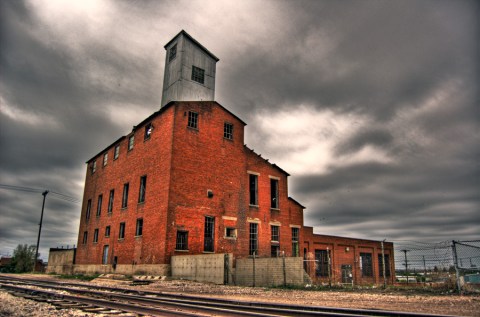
(94, 167)
(107, 231)
(193, 119)
(228, 131)
(85, 237)
(198, 75)
(173, 53)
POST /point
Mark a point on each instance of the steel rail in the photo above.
(196, 302)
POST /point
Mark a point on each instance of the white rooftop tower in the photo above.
(189, 71)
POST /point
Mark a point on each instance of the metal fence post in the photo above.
(253, 268)
(328, 268)
(284, 271)
(383, 267)
(455, 263)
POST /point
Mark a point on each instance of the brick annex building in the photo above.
(183, 182)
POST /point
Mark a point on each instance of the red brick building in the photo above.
(183, 182)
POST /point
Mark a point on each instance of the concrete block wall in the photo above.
(201, 268)
(269, 271)
(126, 269)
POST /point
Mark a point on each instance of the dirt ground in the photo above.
(417, 300)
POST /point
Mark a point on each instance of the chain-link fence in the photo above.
(447, 264)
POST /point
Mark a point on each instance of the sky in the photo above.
(371, 106)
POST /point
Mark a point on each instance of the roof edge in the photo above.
(194, 41)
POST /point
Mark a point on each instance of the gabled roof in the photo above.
(188, 36)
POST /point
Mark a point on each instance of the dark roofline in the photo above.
(105, 149)
(266, 161)
(155, 114)
(290, 198)
(194, 41)
(348, 238)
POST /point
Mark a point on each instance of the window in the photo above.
(275, 250)
(99, 205)
(321, 263)
(172, 53)
(148, 131)
(275, 233)
(110, 201)
(107, 231)
(139, 229)
(105, 255)
(125, 196)
(94, 167)
(121, 232)
(182, 241)
(366, 264)
(193, 119)
(131, 140)
(253, 189)
(274, 193)
(253, 243)
(198, 75)
(387, 265)
(85, 237)
(95, 236)
(116, 153)
(89, 207)
(105, 159)
(228, 131)
(143, 188)
(230, 232)
(209, 234)
(295, 241)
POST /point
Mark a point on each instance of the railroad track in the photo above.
(101, 299)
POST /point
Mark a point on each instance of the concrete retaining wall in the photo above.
(269, 271)
(126, 269)
(202, 268)
(60, 261)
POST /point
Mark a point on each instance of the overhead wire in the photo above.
(37, 190)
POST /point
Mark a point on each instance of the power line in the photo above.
(37, 190)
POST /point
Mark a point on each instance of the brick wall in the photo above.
(347, 251)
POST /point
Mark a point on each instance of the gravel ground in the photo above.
(366, 298)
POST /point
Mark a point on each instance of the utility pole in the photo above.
(39, 230)
(406, 263)
(383, 266)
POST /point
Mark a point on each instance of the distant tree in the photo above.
(23, 258)
(435, 269)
